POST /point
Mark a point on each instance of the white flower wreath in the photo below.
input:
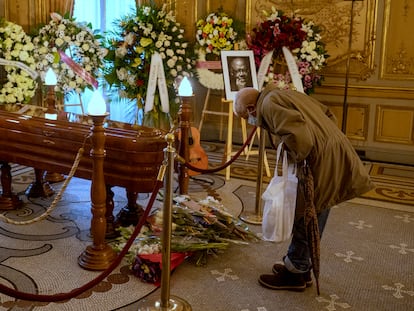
(80, 43)
(16, 48)
(207, 78)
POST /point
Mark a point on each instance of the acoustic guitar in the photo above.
(197, 156)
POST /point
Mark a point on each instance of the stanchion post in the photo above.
(167, 224)
(166, 302)
(99, 255)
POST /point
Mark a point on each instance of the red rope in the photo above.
(77, 291)
(232, 159)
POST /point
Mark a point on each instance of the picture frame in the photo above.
(239, 71)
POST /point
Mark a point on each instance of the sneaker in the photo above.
(284, 279)
(277, 267)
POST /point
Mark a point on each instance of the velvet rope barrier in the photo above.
(233, 158)
(77, 291)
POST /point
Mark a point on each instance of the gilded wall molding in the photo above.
(370, 91)
(394, 124)
(31, 13)
(397, 54)
(186, 12)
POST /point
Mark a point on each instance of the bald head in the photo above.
(245, 101)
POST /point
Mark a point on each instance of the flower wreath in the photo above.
(16, 46)
(73, 51)
(301, 37)
(215, 33)
(149, 29)
(208, 78)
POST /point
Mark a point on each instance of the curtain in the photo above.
(102, 14)
(62, 6)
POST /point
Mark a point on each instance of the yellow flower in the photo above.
(144, 42)
(137, 62)
(139, 49)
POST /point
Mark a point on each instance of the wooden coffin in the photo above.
(133, 153)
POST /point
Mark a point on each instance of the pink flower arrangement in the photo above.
(301, 37)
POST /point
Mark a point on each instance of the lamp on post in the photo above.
(99, 255)
(185, 91)
(51, 114)
(50, 82)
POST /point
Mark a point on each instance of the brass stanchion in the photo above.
(166, 302)
(99, 255)
(257, 217)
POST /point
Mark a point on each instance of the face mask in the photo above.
(252, 120)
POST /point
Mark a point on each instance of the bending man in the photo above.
(322, 152)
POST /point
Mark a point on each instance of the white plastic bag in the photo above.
(280, 201)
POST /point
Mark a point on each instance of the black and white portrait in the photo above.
(238, 70)
(240, 73)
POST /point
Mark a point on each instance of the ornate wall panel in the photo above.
(334, 19)
(236, 8)
(186, 12)
(189, 11)
(394, 124)
(357, 121)
(397, 48)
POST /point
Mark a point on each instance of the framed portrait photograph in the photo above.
(239, 71)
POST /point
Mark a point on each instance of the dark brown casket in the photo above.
(133, 153)
(132, 160)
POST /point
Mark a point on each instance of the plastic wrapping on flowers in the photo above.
(136, 38)
(199, 229)
(301, 37)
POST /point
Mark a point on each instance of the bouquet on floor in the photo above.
(301, 37)
(199, 228)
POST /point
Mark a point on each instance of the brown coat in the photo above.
(309, 132)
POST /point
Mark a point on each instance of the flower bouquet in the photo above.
(199, 228)
(215, 33)
(74, 52)
(147, 267)
(16, 54)
(137, 37)
(301, 37)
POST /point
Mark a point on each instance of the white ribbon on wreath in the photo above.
(33, 74)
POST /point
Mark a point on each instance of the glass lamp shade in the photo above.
(50, 78)
(185, 88)
(97, 104)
